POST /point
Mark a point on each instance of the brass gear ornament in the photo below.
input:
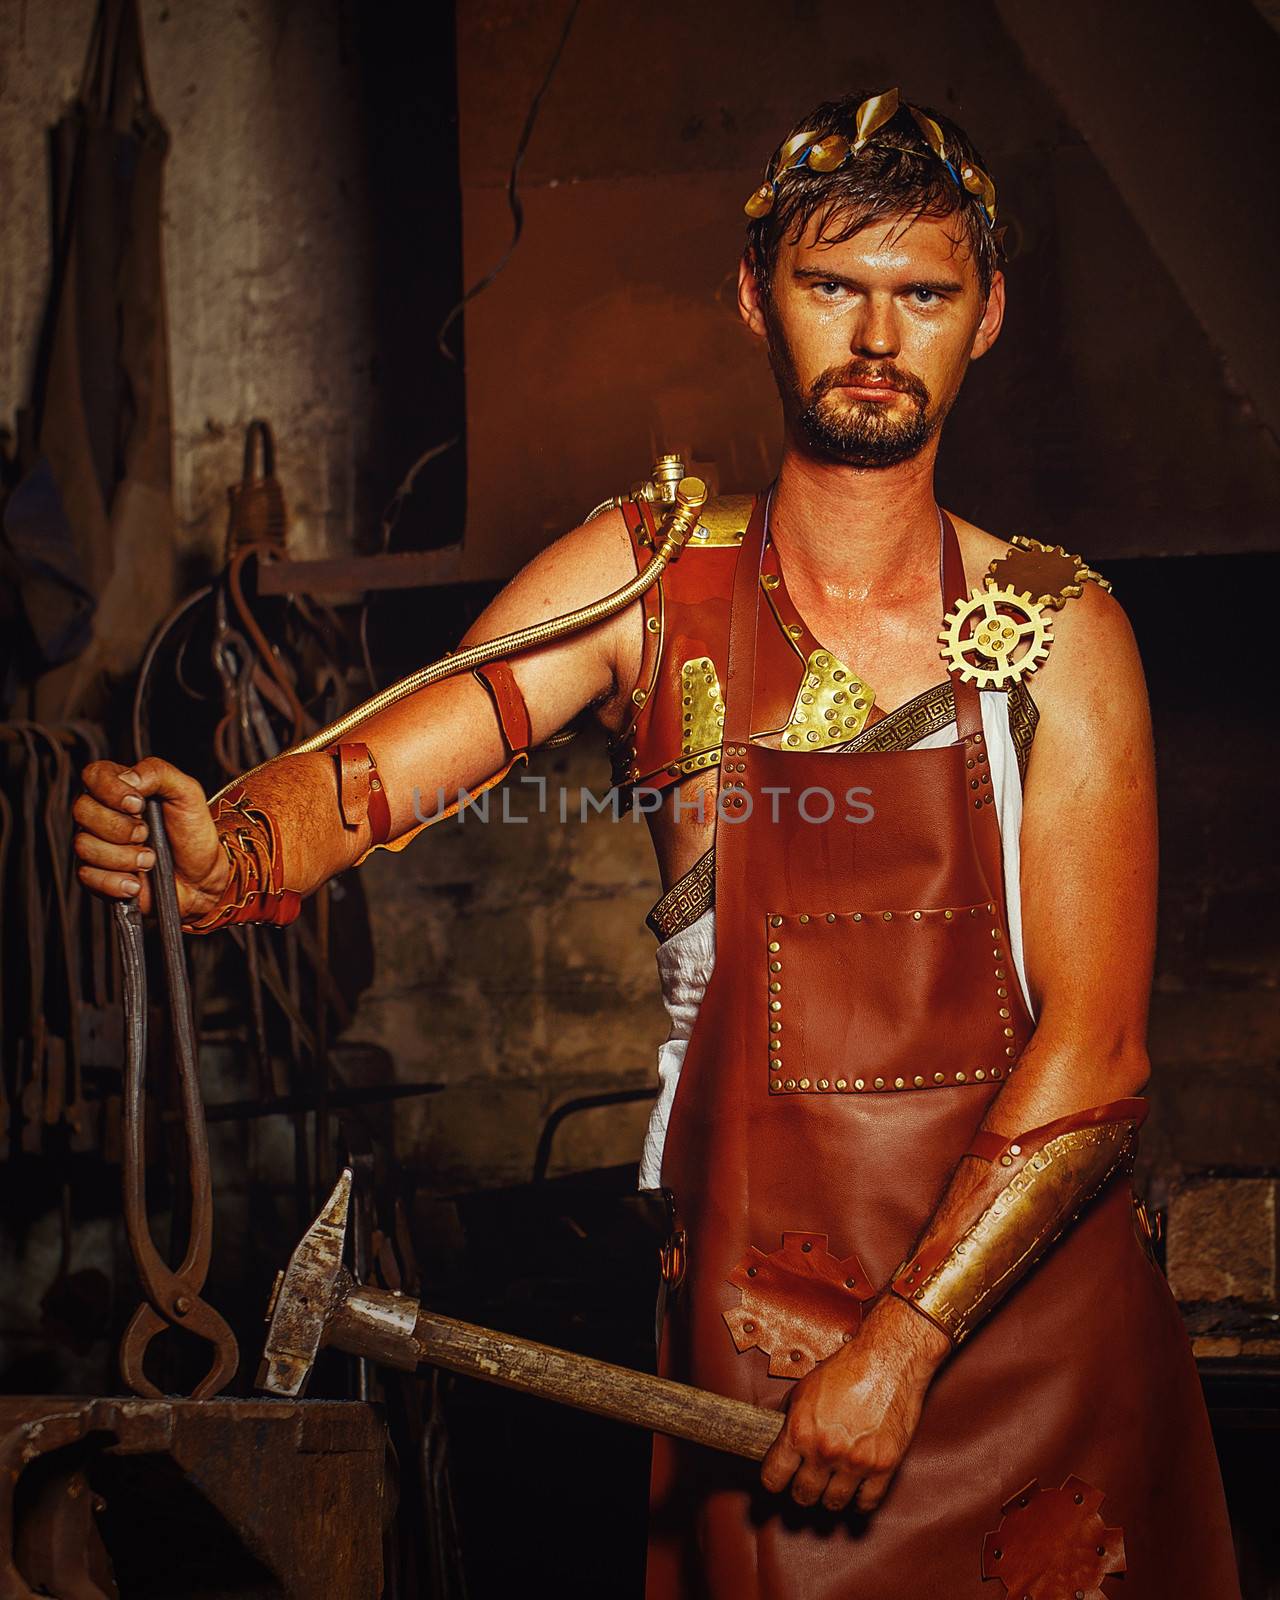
(996, 636)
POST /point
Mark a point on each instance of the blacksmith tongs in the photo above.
(172, 1296)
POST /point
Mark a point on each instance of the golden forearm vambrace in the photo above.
(1037, 1185)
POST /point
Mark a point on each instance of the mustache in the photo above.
(854, 373)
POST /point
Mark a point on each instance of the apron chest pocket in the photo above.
(860, 1002)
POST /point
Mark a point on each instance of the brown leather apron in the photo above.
(863, 1013)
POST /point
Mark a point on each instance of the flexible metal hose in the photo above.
(691, 494)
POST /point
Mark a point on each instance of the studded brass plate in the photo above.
(831, 705)
(701, 706)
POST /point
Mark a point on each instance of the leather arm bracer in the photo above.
(254, 850)
(1036, 1186)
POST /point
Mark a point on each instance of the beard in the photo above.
(856, 433)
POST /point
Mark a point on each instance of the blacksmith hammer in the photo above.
(316, 1302)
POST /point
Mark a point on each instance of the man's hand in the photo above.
(111, 840)
(849, 1422)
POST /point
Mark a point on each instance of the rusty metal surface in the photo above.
(174, 1498)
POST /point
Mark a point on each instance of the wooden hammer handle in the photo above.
(636, 1397)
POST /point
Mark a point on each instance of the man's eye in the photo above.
(829, 291)
(923, 296)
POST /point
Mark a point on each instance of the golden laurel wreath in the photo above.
(996, 636)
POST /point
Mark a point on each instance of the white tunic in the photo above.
(686, 960)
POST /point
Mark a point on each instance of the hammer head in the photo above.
(304, 1295)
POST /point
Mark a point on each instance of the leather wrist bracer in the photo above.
(1038, 1183)
(255, 889)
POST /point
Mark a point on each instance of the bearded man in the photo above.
(906, 942)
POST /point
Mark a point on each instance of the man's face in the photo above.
(870, 339)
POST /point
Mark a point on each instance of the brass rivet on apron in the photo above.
(776, 966)
(980, 1075)
(639, 696)
(973, 783)
(751, 1271)
(776, 1085)
(919, 1083)
(995, 1072)
(1000, 972)
(857, 916)
(917, 915)
(804, 916)
(858, 1083)
(796, 1355)
(899, 1083)
(995, 933)
(770, 580)
(879, 1083)
(969, 762)
(804, 1084)
(824, 1083)
(775, 922)
(842, 1083)
(831, 916)
(775, 1044)
(808, 1244)
(652, 624)
(998, 954)
(1008, 1033)
(977, 804)
(774, 945)
(977, 739)
(775, 1026)
(1003, 993)
(1010, 1051)
(939, 1077)
(791, 1083)
(795, 630)
(948, 915)
(748, 1327)
(775, 1005)
(1004, 1011)
(775, 987)
(888, 916)
(990, 907)
(1015, 1149)
(961, 1077)
(850, 1283)
(1006, 1161)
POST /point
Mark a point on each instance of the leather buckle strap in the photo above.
(360, 791)
(509, 703)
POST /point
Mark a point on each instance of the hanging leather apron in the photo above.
(862, 1015)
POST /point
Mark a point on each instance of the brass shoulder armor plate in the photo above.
(1045, 573)
(722, 522)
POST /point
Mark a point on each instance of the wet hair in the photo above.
(894, 175)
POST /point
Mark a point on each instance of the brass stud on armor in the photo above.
(775, 922)
(857, 916)
(948, 915)
(859, 1083)
(1004, 1011)
(639, 696)
(939, 1077)
(1010, 1051)
(775, 1026)
(804, 916)
(776, 966)
(879, 1083)
(899, 1083)
(831, 916)
(842, 1083)
(775, 987)
(979, 1075)
(774, 945)
(653, 624)
(775, 1005)
(804, 1084)
(776, 1085)
(1008, 1033)
(919, 1083)
(791, 1083)
(888, 916)
(1015, 1149)
(824, 1083)
(961, 1077)
(917, 915)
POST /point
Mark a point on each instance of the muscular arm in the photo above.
(1088, 912)
(445, 738)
